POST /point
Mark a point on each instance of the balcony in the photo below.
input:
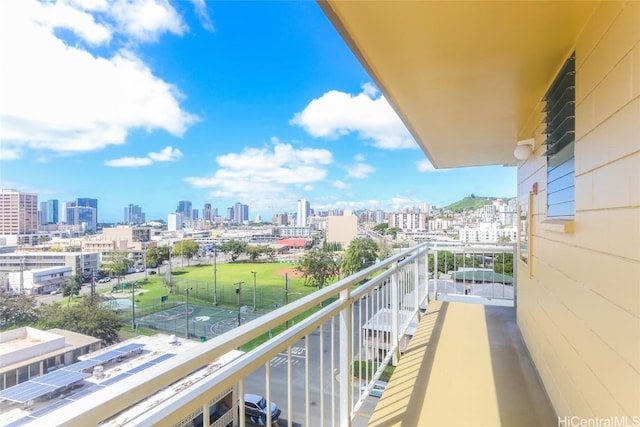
(464, 365)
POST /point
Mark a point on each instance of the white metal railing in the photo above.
(473, 272)
(308, 369)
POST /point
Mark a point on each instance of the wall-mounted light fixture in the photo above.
(524, 148)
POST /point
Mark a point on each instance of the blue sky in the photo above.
(151, 102)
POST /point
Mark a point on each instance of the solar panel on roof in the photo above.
(140, 367)
(50, 408)
(162, 358)
(26, 391)
(116, 379)
(81, 366)
(61, 378)
(22, 421)
(105, 357)
(84, 392)
(129, 347)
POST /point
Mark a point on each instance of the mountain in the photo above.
(472, 202)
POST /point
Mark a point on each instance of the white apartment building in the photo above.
(304, 209)
(39, 281)
(79, 262)
(174, 221)
(294, 231)
(441, 223)
(409, 220)
(487, 232)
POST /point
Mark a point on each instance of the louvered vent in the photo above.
(560, 131)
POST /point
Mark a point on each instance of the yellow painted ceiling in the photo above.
(466, 77)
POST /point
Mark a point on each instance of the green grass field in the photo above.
(270, 290)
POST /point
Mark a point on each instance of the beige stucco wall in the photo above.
(342, 229)
(579, 312)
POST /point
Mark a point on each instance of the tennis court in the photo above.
(203, 321)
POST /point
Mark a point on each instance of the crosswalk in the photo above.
(297, 357)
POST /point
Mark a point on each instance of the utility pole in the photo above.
(254, 289)
(238, 292)
(186, 312)
(286, 295)
(215, 276)
(133, 305)
(93, 283)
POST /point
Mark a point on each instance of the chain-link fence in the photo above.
(172, 312)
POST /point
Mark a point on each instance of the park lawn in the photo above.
(268, 275)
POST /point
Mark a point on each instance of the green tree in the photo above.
(318, 268)
(157, 255)
(90, 317)
(503, 264)
(117, 264)
(254, 252)
(332, 246)
(361, 253)
(270, 252)
(17, 310)
(71, 286)
(381, 228)
(186, 248)
(393, 232)
(234, 247)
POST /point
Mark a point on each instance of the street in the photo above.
(256, 381)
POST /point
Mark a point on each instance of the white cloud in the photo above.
(339, 184)
(167, 154)
(261, 174)
(359, 157)
(63, 98)
(367, 114)
(360, 170)
(129, 162)
(10, 153)
(203, 15)
(81, 23)
(424, 165)
(146, 20)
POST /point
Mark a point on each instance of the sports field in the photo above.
(203, 321)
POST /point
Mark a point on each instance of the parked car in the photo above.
(255, 409)
(105, 280)
(377, 389)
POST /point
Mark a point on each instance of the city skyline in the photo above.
(213, 102)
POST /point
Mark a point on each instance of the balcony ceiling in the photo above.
(466, 77)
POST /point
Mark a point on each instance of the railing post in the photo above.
(345, 361)
(435, 274)
(395, 307)
(416, 284)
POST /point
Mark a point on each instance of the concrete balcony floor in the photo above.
(466, 366)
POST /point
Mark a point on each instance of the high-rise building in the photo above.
(86, 202)
(18, 212)
(52, 211)
(302, 216)
(174, 222)
(42, 213)
(194, 214)
(133, 215)
(240, 213)
(184, 208)
(83, 211)
(206, 212)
